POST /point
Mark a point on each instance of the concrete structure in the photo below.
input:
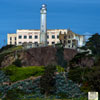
(33, 36)
(43, 26)
(71, 39)
(12, 39)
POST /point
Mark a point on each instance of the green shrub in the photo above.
(6, 48)
(85, 87)
(47, 80)
(60, 57)
(17, 62)
(93, 78)
(78, 74)
(60, 69)
(13, 94)
(10, 70)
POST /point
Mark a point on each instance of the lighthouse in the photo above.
(43, 26)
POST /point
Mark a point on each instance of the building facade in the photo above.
(33, 36)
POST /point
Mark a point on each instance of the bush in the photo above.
(93, 79)
(78, 74)
(13, 94)
(2, 56)
(17, 62)
(10, 70)
(60, 69)
(6, 48)
(60, 57)
(47, 81)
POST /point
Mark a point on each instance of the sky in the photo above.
(81, 16)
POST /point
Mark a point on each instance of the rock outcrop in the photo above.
(38, 56)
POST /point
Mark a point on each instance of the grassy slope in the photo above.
(21, 73)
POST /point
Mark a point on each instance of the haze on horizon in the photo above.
(81, 16)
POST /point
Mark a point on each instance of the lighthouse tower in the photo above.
(43, 26)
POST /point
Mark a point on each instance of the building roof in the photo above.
(39, 29)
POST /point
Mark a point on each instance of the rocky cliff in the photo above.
(37, 56)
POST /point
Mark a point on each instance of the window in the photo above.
(15, 43)
(64, 37)
(15, 38)
(20, 37)
(47, 36)
(25, 37)
(53, 36)
(30, 37)
(57, 36)
(36, 43)
(36, 36)
(69, 41)
(10, 43)
(64, 41)
(69, 46)
(47, 42)
(53, 42)
(10, 38)
(20, 42)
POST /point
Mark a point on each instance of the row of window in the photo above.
(12, 43)
(53, 36)
(36, 37)
(11, 38)
(37, 42)
(30, 37)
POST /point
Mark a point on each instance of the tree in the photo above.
(47, 81)
(14, 94)
(60, 57)
(94, 44)
(93, 79)
(17, 62)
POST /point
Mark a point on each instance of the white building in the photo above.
(33, 36)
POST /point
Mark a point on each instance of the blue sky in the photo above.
(81, 16)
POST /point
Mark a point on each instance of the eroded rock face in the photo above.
(38, 56)
(9, 59)
(44, 56)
